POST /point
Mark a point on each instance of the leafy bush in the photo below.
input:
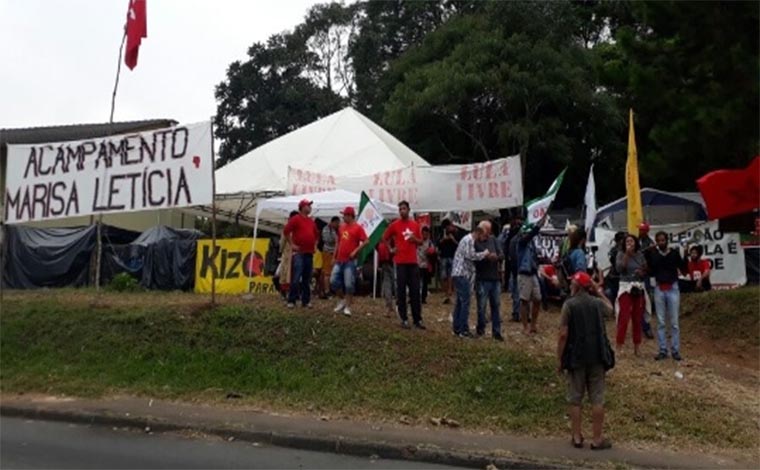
(124, 282)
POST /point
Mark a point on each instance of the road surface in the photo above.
(45, 444)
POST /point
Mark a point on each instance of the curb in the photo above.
(333, 444)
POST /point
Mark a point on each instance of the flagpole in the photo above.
(213, 213)
(99, 242)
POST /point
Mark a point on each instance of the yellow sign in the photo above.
(238, 270)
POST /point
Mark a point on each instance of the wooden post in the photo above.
(213, 212)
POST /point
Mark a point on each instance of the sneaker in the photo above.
(347, 312)
(291, 305)
(405, 325)
(465, 334)
(676, 356)
(309, 305)
(420, 326)
(341, 305)
(498, 337)
(660, 356)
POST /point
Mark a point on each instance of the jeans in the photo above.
(343, 277)
(489, 293)
(408, 275)
(389, 280)
(462, 306)
(300, 282)
(667, 304)
(515, 293)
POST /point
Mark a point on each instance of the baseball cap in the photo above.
(305, 202)
(349, 211)
(644, 227)
(582, 278)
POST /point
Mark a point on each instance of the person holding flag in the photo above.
(351, 239)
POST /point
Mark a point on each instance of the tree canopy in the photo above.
(463, 81)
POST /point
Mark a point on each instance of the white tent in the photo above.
(345, 143)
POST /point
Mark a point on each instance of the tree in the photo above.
(511, 78)
(689, 71)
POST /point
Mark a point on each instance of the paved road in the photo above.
(44, 444)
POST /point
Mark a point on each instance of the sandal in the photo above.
(577, 445)
(606, 444)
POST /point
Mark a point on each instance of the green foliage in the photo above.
(124, 282)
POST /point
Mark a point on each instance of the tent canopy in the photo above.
(325, 204)
(660, 208)
(345, 143)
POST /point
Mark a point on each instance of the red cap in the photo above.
(550, 271)
(582, 278)
(304, 202)
(643, 227)
(349, 211)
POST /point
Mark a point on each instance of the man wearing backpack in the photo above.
(583, 351)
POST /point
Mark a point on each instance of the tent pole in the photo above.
(374, 277)
(253, 250)
(213, 212)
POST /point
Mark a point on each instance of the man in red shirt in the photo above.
(698, 270)
(406, 236)
(351, 239)
(302, 232)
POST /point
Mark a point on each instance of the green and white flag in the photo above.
(538, 207)
(373, 223)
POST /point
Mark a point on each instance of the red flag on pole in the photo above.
(137, 28)
(731, 192)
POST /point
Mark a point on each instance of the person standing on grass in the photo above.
(488, 285)
(329, 240)
(583, 351)
(425, 251)
(447, 246)
(385, 261)
(302, 233)
(462, 273)
(527, 276)
(575, 258)
(406, 236)
(510, 271)
(665, 264)
(632, 296)
(351, 239)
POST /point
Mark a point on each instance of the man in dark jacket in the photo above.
(582, 350)
(664, 264)
(510, 256)
(488, 288)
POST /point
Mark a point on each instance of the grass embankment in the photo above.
(166, 346)
(726, 316)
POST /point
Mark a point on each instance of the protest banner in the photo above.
(548, 244)
(723, 250)
(474, 186)
(237, 269)
(161, 169)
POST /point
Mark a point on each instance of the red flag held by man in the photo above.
(137, 28)
(731, 192)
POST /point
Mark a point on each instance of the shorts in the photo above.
(446, 265)
(528, 287)
(343, 277)
(327, 263)
(586, 379)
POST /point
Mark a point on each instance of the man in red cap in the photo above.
(302, 232)
(351, 240)
(583, 351)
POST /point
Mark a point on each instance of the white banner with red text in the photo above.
(475, 186)
(159, 169)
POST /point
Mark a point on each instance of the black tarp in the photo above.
(752, 261)
(160, 258)
(50, 257)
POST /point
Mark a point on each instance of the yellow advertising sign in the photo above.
(238, 271)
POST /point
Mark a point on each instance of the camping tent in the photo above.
(660, 208)
(345, 143)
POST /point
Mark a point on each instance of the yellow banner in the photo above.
(238, 271)
(633, 191)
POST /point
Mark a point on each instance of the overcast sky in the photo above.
(58, 58)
